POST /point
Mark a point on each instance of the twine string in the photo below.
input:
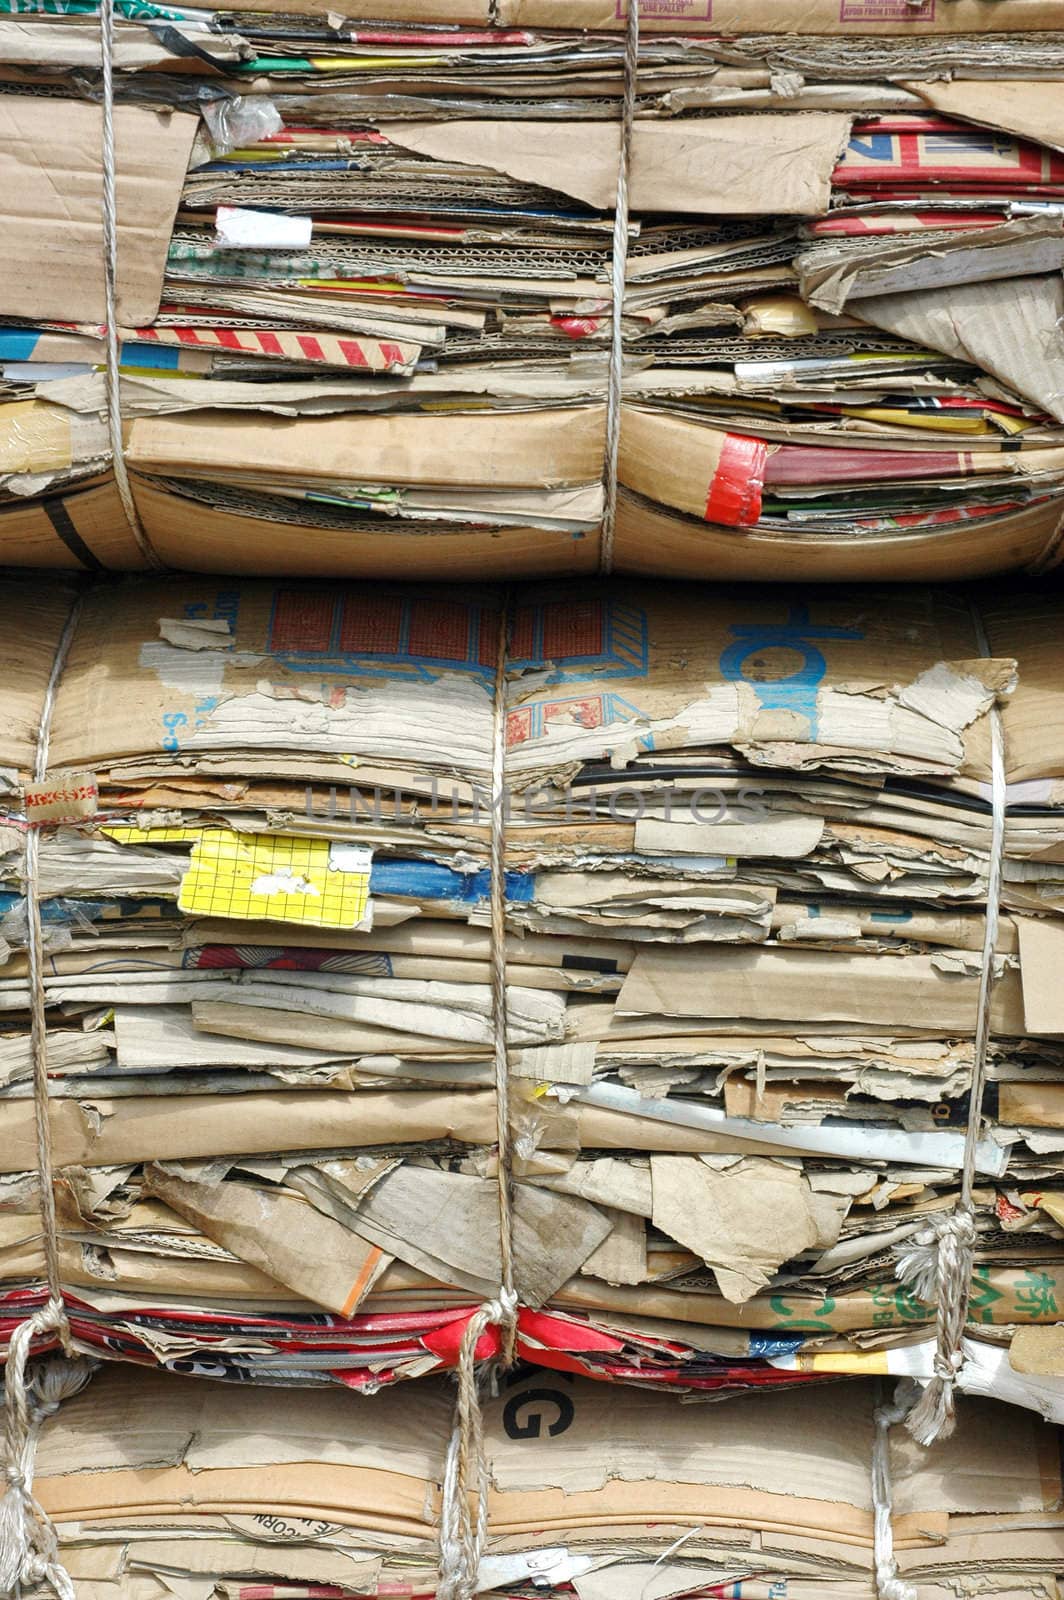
(110, 280)
(464, 1502)
(618, 279)
(937, 1261)
(28, 1550)
(889, 1586)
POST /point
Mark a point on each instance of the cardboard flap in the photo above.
(1041, 965)
(734, 166)
(1032, 109)
(51, 241)
(1000, 326)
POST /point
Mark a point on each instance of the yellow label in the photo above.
(265, 877)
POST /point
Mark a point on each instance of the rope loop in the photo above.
(29, 1548)
(466, 1479)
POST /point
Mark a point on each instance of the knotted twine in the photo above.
(618, 279)
(110, 281)
(29, 1549)
(27, 1540)
(937, 1261)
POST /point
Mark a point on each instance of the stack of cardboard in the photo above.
(375, 341)
(748, 834)
(748, 837)
(257, 1039)
(161, 1487)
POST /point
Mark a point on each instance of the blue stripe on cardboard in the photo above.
(428, 880)
(163, 357)
(18, 344)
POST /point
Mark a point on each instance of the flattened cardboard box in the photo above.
(26, 655)
(844, 17)
(768, 671)
(81, 529)
(861, 670)
(787, 1463)
(1008, 327)
(532, 449)
(171, 667)
(51, 237)
(663, 543)
(192, 537)
(252, 1123)
(182, 1424)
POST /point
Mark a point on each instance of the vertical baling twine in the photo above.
(937, 1261)
(619, 278)
(28, 1553)
(889, 1586)
(28, 1549)
(110, 279)
(464, 1503)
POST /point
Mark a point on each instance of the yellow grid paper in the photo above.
(243, 875)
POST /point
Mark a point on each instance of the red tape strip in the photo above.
(734, 497)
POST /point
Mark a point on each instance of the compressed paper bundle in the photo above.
(159, 1486)
(749, 835)
(214, 759)
(366, 294)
